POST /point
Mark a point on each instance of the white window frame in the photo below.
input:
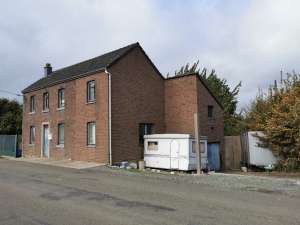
(59, 126)
(93, 137)
(32, 135)
(45, 101)
(32, 104)
(91, 86)
(61, 98)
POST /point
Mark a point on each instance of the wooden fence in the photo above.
(232, 152)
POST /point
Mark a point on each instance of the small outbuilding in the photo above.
(174, 151)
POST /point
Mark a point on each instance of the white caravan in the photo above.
(173, 151)
(259, 156)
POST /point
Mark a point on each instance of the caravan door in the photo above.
(174, 154)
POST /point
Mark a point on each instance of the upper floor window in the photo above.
(46, 101)
(61, 134)
(61, 98)
(32, 103)
(91, 97)
(210, 111)
(144, 129)
(32, 135)
(91, 133)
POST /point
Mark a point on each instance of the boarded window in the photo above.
(152, 146)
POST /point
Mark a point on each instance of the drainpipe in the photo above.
(109, 116)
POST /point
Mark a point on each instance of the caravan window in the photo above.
(152, 146)
(202, 147)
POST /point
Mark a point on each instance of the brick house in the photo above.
(98, 110)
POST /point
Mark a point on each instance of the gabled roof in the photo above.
(80, 69)
(202, 81)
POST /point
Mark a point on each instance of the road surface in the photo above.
(39, 194)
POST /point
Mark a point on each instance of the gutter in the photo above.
(109, 116)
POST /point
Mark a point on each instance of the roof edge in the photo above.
(64, 80)
(132, 46)
(137, 44)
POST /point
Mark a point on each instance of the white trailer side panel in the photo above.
(259, 156)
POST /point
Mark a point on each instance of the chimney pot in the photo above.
(47, 69)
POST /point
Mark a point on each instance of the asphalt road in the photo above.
(39, 194)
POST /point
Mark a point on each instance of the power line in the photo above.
(12, 93)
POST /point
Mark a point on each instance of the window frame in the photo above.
(32, 135)
(152, 146)
(202, 150)
(89, 87)
(143, 130)
(46, 102)
(210, 111)
(59, 143)
(32, 105)
(93, 144)
(61, 98)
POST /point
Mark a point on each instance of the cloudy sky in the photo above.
(249, 41)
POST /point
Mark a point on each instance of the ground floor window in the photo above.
(61, 134)
(32, 135)
(91, 133)
(144, 129)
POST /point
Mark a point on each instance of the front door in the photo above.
(46, 141)
(174, 154)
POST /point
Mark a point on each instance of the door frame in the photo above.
(178, 143)
(42, 139)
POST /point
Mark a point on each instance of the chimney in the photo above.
(47, 69)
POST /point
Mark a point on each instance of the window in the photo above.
(61, 134)
(202, 147)
(91, 97)
(32, 135)
(32, 104)
(91, 133)
(152, 146)
(144, 129)
(61, 98)
(210, 111)
(46, 101)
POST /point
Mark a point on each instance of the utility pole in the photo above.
(197, 139)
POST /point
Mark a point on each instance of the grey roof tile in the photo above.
(80, 69)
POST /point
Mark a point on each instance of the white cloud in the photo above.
(249, 41)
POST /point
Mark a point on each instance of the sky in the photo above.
(248, 41)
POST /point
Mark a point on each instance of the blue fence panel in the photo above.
(8, 145)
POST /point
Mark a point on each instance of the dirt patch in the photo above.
(294, 175)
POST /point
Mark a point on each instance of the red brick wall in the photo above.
(75, 116)
(213, 127)
(137, 97)
(180, 104)
(183, 97)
